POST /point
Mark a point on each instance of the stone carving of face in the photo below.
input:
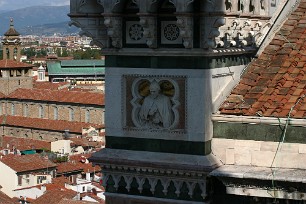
(154, 90)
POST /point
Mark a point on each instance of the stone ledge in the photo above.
(156, 160)
(262, 173)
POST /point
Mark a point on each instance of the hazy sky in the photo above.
(17, 4)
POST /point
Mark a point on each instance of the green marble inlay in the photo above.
(176, 62)
(259, 132)
(157, 145)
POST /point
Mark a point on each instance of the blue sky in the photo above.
(17, 4)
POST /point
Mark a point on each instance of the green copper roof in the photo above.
(76, 67)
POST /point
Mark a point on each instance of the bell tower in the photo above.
(13, 73)
(11, 43)
(169, 65)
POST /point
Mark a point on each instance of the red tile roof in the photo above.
(76, 164)
(12, 64)
(45, 124)
(4, 199)
(22, 163)
(64, 96)
(275, 82)
(24, 143)
(48, 85)
(55, 196)
(2, 95)
(69, 201)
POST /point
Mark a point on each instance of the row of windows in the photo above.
(41, 112)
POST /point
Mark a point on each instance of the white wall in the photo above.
(61, 146)
(8, 180)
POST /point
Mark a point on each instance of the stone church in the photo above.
(35, 110)
(188, 91)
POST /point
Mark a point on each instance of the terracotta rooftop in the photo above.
(69, 201)
(11, 31)
(24, 143)
(48, 85)
(45, 124)
(275, 82)
(4, 199)
(22, 163)
(79, 97)
(76, 164)
(12, 64)
(55, 196)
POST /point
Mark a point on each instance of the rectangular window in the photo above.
(19, 180)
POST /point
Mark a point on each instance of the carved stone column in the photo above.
(149, 24)
(114, 29)
(185, 23)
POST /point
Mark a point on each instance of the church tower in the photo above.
(14, 74)
(169, 65)
(11, 43)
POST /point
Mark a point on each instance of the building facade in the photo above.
(169, 65)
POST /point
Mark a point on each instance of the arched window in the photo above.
(71, 114)
(7, 53)
(55, 113)
(41, 112)
(87, 116)
(13, 109)
(25, 110)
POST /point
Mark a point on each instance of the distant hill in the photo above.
(38, 20)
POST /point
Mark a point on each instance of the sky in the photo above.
(7, 5)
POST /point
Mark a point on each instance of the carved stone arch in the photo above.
(152, 6)
(92, 7)
(184, 6)
(166, 6)
(112, 6)
(131, 6)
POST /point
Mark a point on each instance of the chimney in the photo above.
(88, 176)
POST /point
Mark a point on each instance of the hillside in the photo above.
(38, 20)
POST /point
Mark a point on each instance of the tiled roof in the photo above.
(24, 143)
(69, 201)
(21, 163)
(276, 81)
(55, 196)
(57, 183)
(75, 164)
(45, 124)
(12, 64)
(2, 95)
(4, 199)
(48, 85)
(79, 97)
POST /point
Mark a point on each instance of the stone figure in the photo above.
(156, 110)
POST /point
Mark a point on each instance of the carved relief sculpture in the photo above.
(149, 26)
(155, 104)
(156, 110)
(186, 27)
(114, 30)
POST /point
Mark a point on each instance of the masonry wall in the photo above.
(46, 135)
(96, 113)
(259, 153)
(8, 85)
